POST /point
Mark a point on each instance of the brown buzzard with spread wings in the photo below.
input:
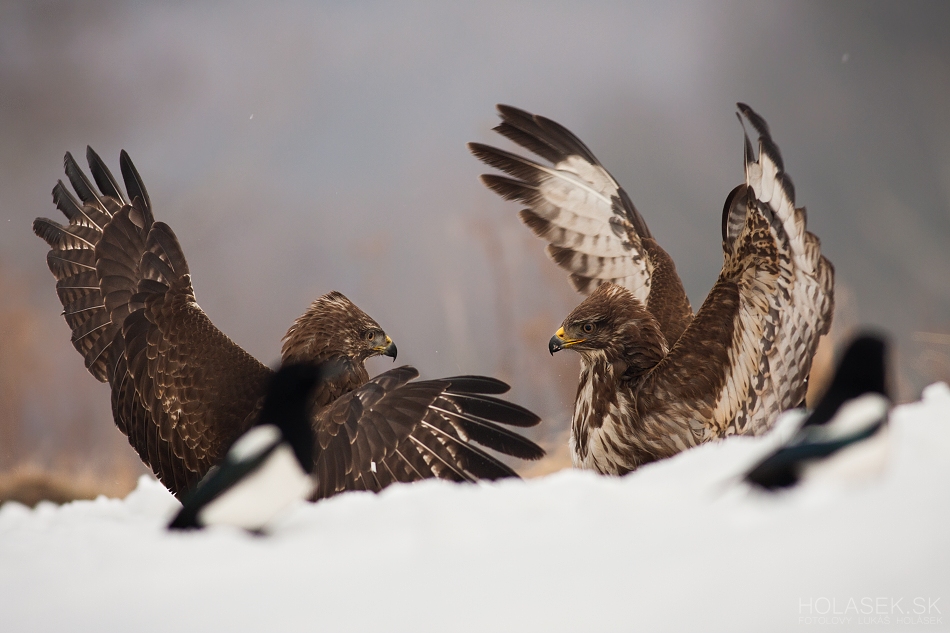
(654, 379)
(183, 392)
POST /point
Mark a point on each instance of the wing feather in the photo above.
(84, 189)
(593, 230)
(440, 467)
(104, 180)
(755, 336)
(181, 390)
(418, 430)
(133, 182)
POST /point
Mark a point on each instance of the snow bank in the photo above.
(679, 545)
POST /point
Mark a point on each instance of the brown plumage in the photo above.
(182, 391)
(646, 391)
(591, 226)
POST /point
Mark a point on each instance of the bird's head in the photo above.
(331, 327)
(613, 323)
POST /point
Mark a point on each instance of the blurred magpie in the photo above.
(268, 467)
(853, 410)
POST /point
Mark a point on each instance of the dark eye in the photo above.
(588, 328)
(370, 335)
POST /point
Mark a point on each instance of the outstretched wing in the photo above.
(181, 390)
(394, 430)
(72, 258)
(591, 226)
(750, 348)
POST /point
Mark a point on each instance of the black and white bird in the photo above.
(845, 429)
(270, 466)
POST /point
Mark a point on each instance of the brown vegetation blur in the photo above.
(77, 456)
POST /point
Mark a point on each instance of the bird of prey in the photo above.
(656, 380)
(849, 418)
(267, 468)
(183, 392)
(592, 228)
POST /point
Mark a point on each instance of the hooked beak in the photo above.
(560, 340)
(387, 349)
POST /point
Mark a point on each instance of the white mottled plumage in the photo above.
(783, 312)
(741, 361)
(578, 199)
(576, 205)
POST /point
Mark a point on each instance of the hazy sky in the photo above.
(302, 148)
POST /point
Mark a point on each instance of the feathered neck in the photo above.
(634, 348)
(307, 340)
(626, 336)
(331, 327)
(353, 377)
(640, 347)
(326, 332)
(312, 336)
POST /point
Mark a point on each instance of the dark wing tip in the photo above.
(80, 182)
(504, 109)
(475, 148)
(495, 409)
(511, 444)
(134, 186)
(563, 256)
(65, 201)
(103, 177)
(509, 188)
(753, 117)
(48, 230)
(765, 138)
(483, 417)
(476, 384)
(541, 135)
(511, 114)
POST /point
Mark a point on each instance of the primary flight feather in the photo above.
(655, 379)
(183, 392)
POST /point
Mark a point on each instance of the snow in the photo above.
(678, 545)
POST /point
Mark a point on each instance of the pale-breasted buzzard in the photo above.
(183, 392)
(654, 379)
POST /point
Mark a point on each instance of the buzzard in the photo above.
(655, 379)
(183, 392)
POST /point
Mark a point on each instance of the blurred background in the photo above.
(298, 148)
